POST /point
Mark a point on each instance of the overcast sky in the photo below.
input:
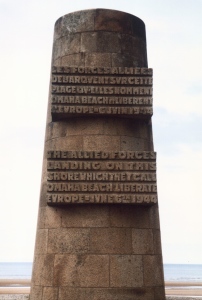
(174, 48)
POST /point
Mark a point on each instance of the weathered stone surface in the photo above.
(70, 44)
(154, 217)
(142, 241)
(159, 293)
(57, 49)
(98, 42)
(104, 142)
(73, 142)
(99, 126)
(126, 60)
(98, 251)
(49, 217)
(129, 216)
(157, 242)
(37, 293)
(130, 44)
(110, 20)
(50, 293)
(153, 272)
(129, 143)
(70, 240)
(87, 216)
(43, 265)
(80, 21)
(106, 294)
(111, 240)
(98, 59)
(41, 241)
(117, 126)
(126, 271)
(77, 59)
(81, 270)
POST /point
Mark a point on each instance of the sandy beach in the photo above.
(18, 289)
(14, 286)
(193, 289)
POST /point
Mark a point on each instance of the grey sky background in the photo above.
(174, 48)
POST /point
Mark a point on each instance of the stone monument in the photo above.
(98, 234)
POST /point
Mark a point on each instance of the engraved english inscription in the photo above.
(101, 177)
(101, 91)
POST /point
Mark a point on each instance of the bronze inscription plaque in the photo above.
(101, 177)
(101, 91)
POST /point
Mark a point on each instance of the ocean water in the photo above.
(19, 270)
(182, 272)
(172, 272)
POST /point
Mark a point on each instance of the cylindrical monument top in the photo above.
(100, 37)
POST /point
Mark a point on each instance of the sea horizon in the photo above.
(172, 272)
(180, 279)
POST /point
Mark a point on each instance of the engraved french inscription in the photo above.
(100, 70)
(101, 91)
(101, 177)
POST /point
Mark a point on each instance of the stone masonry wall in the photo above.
(97, 251)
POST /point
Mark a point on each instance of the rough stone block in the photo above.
(132, 144)
(64, 143)
(129, 216)
(89, 42)
(75, 22)
(157, 242)
(86, 216)
(101, 143)
(75, 293)
(106, 294)
(126, 271)
(113, 21)
(68, 240)
(36, 293)
(154, 217)
(159, 293)
(138, 29)
(144, 131)
(148, 145)
(41, 222)
(98, 59)
(126, 60)
(151, 277)
(124, 294)
(55, 130)
(126, 127)
(50, 293)
(43, 265)
(85, 126)
(142, 241)
(74, 60)
(52, 217)
(111, 240)
(99, 42)
(56, 62)
(131, 45)
(70, 44)
(43, 192)
(57, 29)
(49, 217)
(81, 270)
(56, 50)
(41, 241)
